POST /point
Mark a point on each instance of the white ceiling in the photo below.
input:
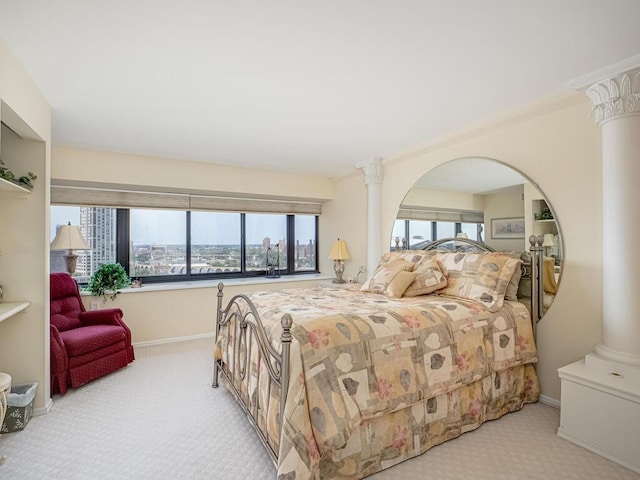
(307, 86)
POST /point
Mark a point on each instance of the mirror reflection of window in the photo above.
(468, 196)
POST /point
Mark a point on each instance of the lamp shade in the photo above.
(339, 250)
(462, 235)
(69, 237)
(549, 240)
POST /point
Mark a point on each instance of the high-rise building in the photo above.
(98, 226)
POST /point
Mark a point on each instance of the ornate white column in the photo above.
(373, 179)
(600, 398)
(616, 95)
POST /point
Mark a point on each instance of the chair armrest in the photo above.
(105, 316)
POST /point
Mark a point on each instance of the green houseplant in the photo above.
(107, 280)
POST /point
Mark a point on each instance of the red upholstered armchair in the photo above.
(85, 345)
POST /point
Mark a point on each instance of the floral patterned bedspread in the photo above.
(364, 356)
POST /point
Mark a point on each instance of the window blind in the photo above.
(435, 215)
(121, 198)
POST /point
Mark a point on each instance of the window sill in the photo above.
(158, 287)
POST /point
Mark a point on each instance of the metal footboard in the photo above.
(249, 357)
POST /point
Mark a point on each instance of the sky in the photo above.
(168, 227)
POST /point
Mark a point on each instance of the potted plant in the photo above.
(107, 280)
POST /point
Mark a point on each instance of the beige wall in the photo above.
(76, 164)
(427, 197)
(549, 144)
(160, 314)
(154, 315)
(556, 145)
(507, 203)
(24, 225)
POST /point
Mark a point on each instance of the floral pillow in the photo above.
(429, 278)
(481, 277)
(384, 275)
(413, 256)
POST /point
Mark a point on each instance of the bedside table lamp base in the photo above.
(338, 267)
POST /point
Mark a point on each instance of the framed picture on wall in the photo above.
(512, 227)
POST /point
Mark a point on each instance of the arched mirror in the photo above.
(483, 200)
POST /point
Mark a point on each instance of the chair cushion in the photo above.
(62, 285)
(65, 313)
(65, 304)
(80, 341)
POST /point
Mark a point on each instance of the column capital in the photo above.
(614, 90)
(372, 170)
(615, 97)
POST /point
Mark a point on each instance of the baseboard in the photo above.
(570, 438)
(43, 410)
(173, 339)
(552, 402)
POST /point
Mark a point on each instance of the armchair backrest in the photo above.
(65, 304)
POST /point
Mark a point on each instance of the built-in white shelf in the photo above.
(9, 309)
(547, 220)
(12, 188)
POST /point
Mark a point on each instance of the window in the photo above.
(445, 230)
(399, 234)
(215, 242)
(305, 243)
(171, 245)
(473, 230)
(422, 232)
(266, 234)
(419, 232)
(157, 242)
(98, 227)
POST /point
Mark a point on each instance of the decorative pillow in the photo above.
(384, 274)
(413, 256)
(429, 278)
(549, 276)
(512, 289)
(481, 277)
(399, 283)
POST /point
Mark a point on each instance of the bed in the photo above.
(342, 381)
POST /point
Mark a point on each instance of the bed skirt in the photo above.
(386, 440)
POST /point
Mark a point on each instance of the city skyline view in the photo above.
(157, 241)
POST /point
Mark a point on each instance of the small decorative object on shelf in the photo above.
(546, 214)
(23, 181)
(272, 266)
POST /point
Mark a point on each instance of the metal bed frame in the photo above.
(247, 330)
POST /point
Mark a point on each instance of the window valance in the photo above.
(408, 212)
(118, 197)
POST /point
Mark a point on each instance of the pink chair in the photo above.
(85, 345)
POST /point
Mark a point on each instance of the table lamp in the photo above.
(339, 254)
(548, 243)
(69, 237)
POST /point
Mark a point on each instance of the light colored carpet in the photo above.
(159, 418)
